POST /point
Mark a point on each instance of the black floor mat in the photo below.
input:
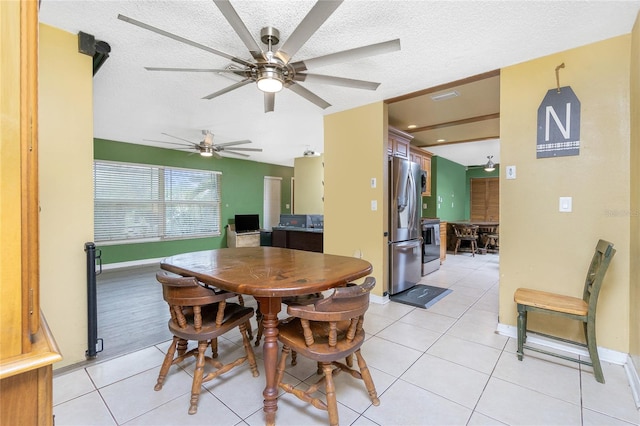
(421, 296)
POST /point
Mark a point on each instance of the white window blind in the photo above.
(136, 202)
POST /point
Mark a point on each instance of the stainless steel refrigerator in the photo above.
(405, 248)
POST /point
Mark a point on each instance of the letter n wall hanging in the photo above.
(558, 123)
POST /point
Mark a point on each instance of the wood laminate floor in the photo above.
(132, 314)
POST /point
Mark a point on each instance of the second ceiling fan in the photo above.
(273, 70)
(207, 148)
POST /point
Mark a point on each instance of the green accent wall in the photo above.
(450, 193)
(450, 198)
(242, 193)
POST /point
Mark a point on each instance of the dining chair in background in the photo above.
(328, 331)
(580, 309)
(466, 233)
(201, 314)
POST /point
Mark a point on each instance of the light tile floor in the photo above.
(441, 366)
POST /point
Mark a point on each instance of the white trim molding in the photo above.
(608, 355)
(634, 381)
(380, 300)
(131, 264)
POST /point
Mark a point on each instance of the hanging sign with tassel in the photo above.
(558, 122)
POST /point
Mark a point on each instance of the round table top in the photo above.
(268, 271)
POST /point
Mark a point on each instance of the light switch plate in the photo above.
(374, 205)
(565, 204)
(511, 172)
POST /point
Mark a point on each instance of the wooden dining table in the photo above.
(268, 274)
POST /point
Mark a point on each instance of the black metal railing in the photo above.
(93, 255)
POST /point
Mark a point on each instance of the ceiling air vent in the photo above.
(445, 95)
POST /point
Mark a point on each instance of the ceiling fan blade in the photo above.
(318, 14)
(235, 71)
(308, 95)
(176, 137)
(234, 143)
(170, 143)
(348, 55)
(243, 149)
(236, 153)
(240, 28)
(184, 40)
(269, 101)
(228, 88)
(216, 155)
(337, 81)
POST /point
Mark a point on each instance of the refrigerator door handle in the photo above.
(411, 193)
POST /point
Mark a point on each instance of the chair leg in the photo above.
(281, 364)
(214, 347)
(366, 377)
(168, 360)
(251, 357)
(197, 377)
(455, 250)
(522, 329)
(182, 346)
(330, 389)
(260, 326)
(593, 350)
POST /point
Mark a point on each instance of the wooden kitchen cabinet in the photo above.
(27, 348)
(443, 241)
(423, 158)
(398, 143)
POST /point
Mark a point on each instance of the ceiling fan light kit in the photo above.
(273, 70)
(270, 79)
(490, 166)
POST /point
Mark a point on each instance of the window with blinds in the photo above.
(135, 202)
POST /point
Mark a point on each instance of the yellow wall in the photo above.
(309, 188)
(539, 246)
(355, 143)
(66, 187)
(634, 319)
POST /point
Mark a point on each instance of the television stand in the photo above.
(244, 239)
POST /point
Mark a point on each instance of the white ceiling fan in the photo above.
(273, 70)
(207, 148)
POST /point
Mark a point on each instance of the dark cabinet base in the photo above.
(299, 240)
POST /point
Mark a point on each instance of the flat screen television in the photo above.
(247, 222)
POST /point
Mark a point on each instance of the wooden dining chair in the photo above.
(303, 299)
(201, 314)
(580, 309)
(468, 233)
(328, 331)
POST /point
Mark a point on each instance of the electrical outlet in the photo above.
(373, 182)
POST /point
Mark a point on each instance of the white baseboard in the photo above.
(131, 264)
(380, 300)
(634, 381)
(608, 355)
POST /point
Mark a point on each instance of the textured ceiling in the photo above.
(442, 41)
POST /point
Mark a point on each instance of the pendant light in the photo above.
(489, 167)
